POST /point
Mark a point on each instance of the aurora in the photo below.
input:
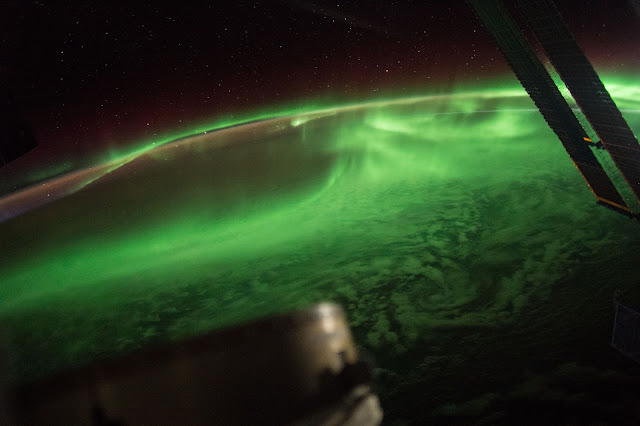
(423, 216)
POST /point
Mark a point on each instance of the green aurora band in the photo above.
(419, 213)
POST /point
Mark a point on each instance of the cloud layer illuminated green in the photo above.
(422, 213)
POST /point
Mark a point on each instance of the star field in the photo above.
(89, 75)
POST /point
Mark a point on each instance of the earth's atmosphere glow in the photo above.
(449, 227)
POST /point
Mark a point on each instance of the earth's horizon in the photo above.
(469, 254)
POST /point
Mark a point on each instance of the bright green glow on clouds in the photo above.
(438, 211)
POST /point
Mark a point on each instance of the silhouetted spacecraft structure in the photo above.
(617, 187)
(16, 138)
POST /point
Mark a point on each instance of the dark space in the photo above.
(378, 154)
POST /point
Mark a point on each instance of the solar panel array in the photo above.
(540, 86)
(585, 86)
(626, 331)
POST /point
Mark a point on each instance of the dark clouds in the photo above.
(569, 394)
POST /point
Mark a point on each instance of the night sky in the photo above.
(89, 76)
(469, 254)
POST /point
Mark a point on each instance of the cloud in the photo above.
(570, 393)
